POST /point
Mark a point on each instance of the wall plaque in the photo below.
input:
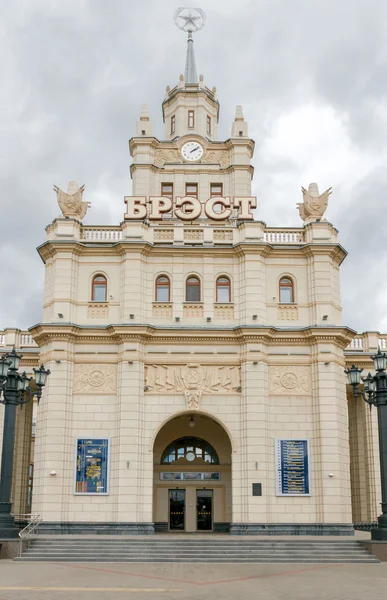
(292, 467)
(91, 471)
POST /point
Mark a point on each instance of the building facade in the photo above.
(197, 356)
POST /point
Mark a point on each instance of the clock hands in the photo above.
(193, 149)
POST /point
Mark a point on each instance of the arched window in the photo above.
(99, 289)
(163, 289)
(189, 449)
(286, 290)
(192, 289)
(223, 289)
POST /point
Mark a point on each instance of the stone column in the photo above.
(134, 483)
(249, 510)
(54, 442)
(331, 477)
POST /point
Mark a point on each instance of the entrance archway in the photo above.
(192, 475)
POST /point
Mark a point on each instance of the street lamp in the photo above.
(15, 389)
(375, 394)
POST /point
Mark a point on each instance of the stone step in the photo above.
(200, 551)
(198, 544)
(260, 559)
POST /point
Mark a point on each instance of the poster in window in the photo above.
(292, 468)
(92, 466)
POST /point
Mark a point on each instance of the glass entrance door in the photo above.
(204, 510)
(177, 510)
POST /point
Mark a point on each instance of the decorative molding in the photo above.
(193, 380)
(292, 380)
(193, 235)
(224, 311)
(288, 312)
(163, 235)
(95, 379)
(98, 310)
(223, 235)
(220, 157)
(194, 310)
(162, 310)
(167, 155)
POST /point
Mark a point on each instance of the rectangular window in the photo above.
(208, 125)
(167, 190)
(91, 475)
(191, 189)
(173, 124)
(191, 118)
(216, 189)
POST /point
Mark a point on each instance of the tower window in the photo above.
(99, 289)
(191, 118)
(286, 290)
(192, 289)
(143, 132)
(173, 124)
(209, 125)
(216, 189)
(223, 289)
(191, 189)
(163, 289)
(167, 190)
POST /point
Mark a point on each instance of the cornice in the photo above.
(52, 248)
(187, 168)
(45, 332)
(332, 249)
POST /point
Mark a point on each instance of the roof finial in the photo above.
(190, 20)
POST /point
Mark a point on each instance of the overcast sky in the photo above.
(311, 76)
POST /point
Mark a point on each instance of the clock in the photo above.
(192, 151)
(190, 456)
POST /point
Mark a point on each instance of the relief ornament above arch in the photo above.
(193, 380)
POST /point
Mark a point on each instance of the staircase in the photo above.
(199, 550)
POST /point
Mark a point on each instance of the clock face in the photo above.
(192, 151)
(190, 456)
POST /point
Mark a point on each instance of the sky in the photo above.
(311, 76)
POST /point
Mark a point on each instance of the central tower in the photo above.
(191, 161)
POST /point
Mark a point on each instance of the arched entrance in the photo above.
(192, 475)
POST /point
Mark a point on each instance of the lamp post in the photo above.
(375, 394)
(15, 389)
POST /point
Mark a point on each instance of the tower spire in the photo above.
(190, 20)
(190, 74)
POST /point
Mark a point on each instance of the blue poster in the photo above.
(92, 466)
(292, 460)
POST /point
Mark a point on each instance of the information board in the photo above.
(292, 465)
(91, 475)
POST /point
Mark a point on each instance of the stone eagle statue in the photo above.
(71, 203)
(315, 204)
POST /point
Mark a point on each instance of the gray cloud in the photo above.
(75, 75)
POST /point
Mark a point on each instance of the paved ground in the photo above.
(50, 581)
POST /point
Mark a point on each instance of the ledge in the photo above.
(108, 528)
(291, 529)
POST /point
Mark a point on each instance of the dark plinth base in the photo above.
(379, 535)
(291, 529)
(8, 529)
(58, 528)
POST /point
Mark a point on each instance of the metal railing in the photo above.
(30, 531)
